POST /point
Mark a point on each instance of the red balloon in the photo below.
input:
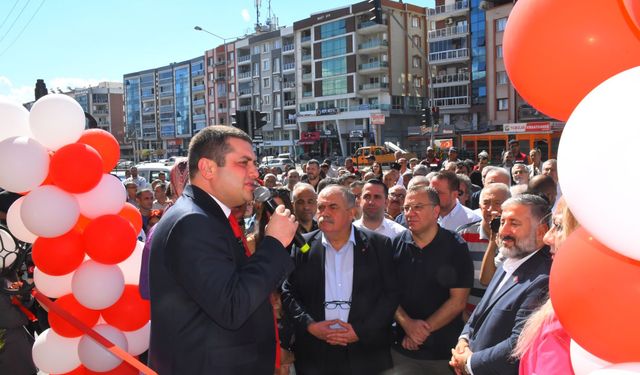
(109, 239)
(131, 312)
(594, 291)
(76, 168)
(132, 215)
(555, 53)
(631, 12)
(123, 369)
(72, 306)
(58, 255)
(82, 223)
(80, 370)
(106, 145)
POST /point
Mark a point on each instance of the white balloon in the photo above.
(94, 356)
(15, 224)
(14, 120)
(97, 286)
(606, 213)
(629, 368)
(131, 266)
(49, 211)
(52, 286)
(25, 164)
(583, 362)
(55, 354)
(107, 198)
(138, 340)
(56, 120)
(8, 252)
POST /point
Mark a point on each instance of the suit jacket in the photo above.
(210, 310)
(497, 321)
(374, 300)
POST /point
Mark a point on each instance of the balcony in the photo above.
(244, 75)
(373, 86)
(450, 56)
(448, 32)
(244, 59)
(166, 108)
(246, 92)
(199, 116)
(370, 27)
(165, 94)
(223, 110)
(375, 45)
(244, 108)
(288, 85)
(290, 122)
(197, 73)
(197, 88)
(221, 79)
(307, 94)
(373, 67)
(305, 39)
(290, 102)
(443, 11)
(307, 76)
(198, 102)
(289, 66)
(450, 102)
(100, 112)
(288, 48)
(451, 79)
(306, 57)
(220, 62)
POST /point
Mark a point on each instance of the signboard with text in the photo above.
(376, 118)
(527, 127)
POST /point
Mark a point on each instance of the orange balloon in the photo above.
(131, 312)
(132, 215)
(109, 239)
(76, 168)
(58, 255)
(631, 12)
(123, 369)
(555, 53)
(82, 223)
(72, 306)
(106, 145)
(594, 292)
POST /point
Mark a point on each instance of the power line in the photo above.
(9, 14)
(15, 20)
(23, 29)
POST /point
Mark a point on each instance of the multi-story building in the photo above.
(220, 84)
(164, 107)
(359, 81)
(104, 103)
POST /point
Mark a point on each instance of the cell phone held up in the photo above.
(495, 224)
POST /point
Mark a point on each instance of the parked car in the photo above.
(150, 171)
(278, 163)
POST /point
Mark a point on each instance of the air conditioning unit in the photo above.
(449, 21)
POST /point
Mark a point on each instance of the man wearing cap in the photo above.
(452, 157)
(431, 160)
(518, 156)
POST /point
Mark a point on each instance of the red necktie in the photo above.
(239, 234)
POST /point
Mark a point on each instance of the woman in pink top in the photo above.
(543, 345)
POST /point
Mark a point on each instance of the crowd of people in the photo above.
(425, 267)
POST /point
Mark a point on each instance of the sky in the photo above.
(77, 43)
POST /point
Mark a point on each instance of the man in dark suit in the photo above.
(210, 307)
(342, 294)
(518, 287)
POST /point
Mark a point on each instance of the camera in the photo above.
(495, 224)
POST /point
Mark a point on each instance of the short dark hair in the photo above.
(450, 177)
(313, 161)
(326, 182)
(375, 181)
(432, 193)
(145, 190)
(212, 143)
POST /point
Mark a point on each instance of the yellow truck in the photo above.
(383, 154)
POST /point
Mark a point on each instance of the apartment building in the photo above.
(360, 82)
(164, 107)
(220, 84)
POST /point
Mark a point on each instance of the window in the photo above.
(417, 82)
(265, 48)
(210, 61)
(267, 117)
(276, 101)
(231, 56)
(334, 67)
(333, 47)
(265, 65)
(334, 86)
(332, 29)
(256, 69)
(501, 78)
(417, 41)
(276, 44)
(211, 77)
(503, 104)
(501, 24)
(276, 65)
(417, 62)
(415, 21)
(499, 52)
(266, 99)
(256, 50)
(266, 83)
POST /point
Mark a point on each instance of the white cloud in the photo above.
(245, 15)
(25, 94)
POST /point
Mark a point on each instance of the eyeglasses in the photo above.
(417, 207)
(332, 305)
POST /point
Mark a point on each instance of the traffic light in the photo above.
(376, 10)
(435, 114)
(260, 119)
(239, 120)
(426, 117)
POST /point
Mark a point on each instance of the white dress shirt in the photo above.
(338, 277)
(388, 228)
(460, 215)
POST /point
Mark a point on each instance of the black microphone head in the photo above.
(261, 194)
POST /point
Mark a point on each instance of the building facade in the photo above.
(220, 84)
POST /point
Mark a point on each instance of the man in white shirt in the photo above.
(517, 288)
(373, 201)
(452, 214)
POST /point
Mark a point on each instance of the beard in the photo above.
(520, 248)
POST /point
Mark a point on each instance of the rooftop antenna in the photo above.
(258, 3)
(269, 15)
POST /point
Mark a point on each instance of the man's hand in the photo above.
(418, 330)
(409, 344)
(321, 329)
(343, 336)
(459, 356)
(282, 225)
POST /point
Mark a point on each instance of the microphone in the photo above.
(262, 194)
